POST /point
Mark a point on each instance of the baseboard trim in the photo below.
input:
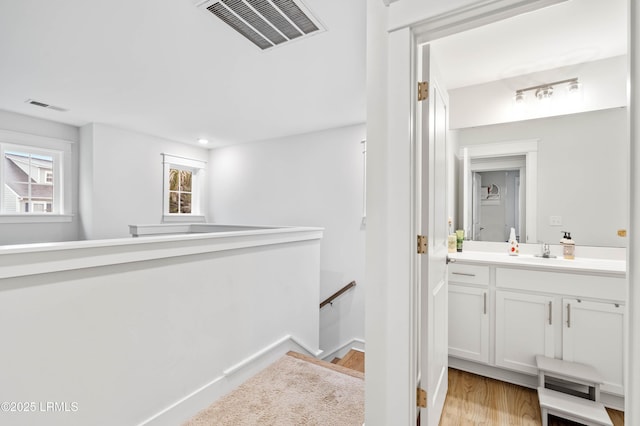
(268, 349)
(191, 404)
(340, 351)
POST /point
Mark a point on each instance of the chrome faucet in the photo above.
(546, 251)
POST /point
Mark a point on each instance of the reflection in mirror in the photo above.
(499, 191)
(496, 207)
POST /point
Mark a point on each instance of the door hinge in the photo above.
(422, 244)
(423, 90)
(421, 398)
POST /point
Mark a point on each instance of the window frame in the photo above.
(197, 169)
(60, 151)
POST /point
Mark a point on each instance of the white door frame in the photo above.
(632, 386)
(397, 365)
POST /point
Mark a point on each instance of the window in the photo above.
(180, 194)
(27, 188)
(183, 183)
(32, 188)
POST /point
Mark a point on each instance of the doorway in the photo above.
(496, 205)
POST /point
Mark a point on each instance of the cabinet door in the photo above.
(592, 334)
(469, 323)
(524, 329)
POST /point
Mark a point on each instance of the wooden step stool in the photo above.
(557, 380)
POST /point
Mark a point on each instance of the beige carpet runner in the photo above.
(295, 390)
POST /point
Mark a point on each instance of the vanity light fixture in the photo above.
(519, 98)
(545, 91)
(574, 86)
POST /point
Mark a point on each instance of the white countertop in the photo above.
(559, 264)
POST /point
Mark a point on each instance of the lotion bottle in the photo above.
(451, 239)
(568, 246)
(514, 247)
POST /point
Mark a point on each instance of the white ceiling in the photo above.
(568, 33)
(167, 68)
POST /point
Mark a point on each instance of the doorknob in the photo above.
(450, 260)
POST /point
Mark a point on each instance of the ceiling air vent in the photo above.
(266, 23)
(43, 105)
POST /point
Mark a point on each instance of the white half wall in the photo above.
(20, 233)
(150, 329)
(121, 179)
(582, 172)
(314, 179)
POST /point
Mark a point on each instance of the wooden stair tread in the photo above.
(354, 359)
(325, 364)
(584, 374)
(559, 403)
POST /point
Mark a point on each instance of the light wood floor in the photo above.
(477, 400)
(480, 401)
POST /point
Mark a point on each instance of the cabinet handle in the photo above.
(485, 303)
(550, 313)
(568, 315)
(463, 273)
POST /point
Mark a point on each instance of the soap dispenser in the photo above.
(568, 246)
(514, 247)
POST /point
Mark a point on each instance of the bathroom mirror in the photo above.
(571, 177)
(507, 85)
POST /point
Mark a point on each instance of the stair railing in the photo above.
(330, 299)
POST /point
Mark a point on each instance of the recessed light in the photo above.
(203, 141)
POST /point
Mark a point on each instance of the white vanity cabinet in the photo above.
(503, 313)
(592, 333)
(536, 315)
(469, 312)
(524, 329)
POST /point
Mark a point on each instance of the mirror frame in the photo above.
(528, 148)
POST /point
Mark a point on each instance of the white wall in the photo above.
(18, 233)
(377, 410)
(129, 328)
(121, 179)
(309, 180)
(603, 86)
(582, 172)
(37, 126)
